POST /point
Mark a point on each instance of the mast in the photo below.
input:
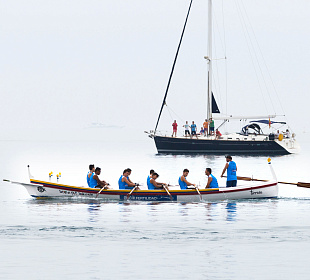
(209, 58)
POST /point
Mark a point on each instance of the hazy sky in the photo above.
(66, 64)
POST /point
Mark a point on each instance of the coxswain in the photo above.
(183, 182)
(95, 182)
(125, 183)
(212, 181)
(231, 168)
(153, 185)
(90, 172)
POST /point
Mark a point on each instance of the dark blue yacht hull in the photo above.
(171, 145)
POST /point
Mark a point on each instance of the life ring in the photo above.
(280, 137)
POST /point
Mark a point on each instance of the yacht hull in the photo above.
(208, 146)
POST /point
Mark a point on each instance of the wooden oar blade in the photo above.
(303, 185)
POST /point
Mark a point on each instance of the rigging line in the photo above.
(258, 61)
(172, 70)
(259, 85)
(169, 108)
(264, 61)
(169, 113)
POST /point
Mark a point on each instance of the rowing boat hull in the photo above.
(42, 189)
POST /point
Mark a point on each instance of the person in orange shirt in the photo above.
(205, 127)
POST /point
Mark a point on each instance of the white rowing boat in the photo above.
(245, 190)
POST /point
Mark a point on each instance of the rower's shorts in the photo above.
(232, 183)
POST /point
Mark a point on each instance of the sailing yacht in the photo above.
(250, 140)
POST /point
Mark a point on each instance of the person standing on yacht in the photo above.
(194, 130)
(211, 126)
(186, 126)
(205, 127)
(231, 168)
(175, 128)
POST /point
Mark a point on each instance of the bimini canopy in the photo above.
(266, 122)
(253, 126)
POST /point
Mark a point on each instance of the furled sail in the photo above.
(215, 108)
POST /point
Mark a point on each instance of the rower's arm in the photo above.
(100, 183)
(129, 183)
(209, 182)
(226, 166)
(187, 183)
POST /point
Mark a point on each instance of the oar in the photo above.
(198, 192)
(101, 190)
(299, 184)
(128, 195)
(168, 192)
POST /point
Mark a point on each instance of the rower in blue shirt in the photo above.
(125, 183)
(212, 181)
(183, 182)
(95, 182)
(153, 185)
(149, 177)
(231, 168)
(90, 172)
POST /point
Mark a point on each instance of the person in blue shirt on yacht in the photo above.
(212, 181)
(125, 183)
(184, 184)
(231, 168)
(90, 172)
(95, 182)
(193, 130)
(153, 185)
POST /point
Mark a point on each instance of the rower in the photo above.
(212, 181)
(183, 182)
(125, 183)
(90, 172)
(231, 168)
(95, 182)
(149, 177)
(153, 185)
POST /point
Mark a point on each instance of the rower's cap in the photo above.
(228, 156)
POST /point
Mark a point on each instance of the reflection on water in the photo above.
(93, 209)
(231, 208)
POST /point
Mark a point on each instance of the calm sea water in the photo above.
(89, 239)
